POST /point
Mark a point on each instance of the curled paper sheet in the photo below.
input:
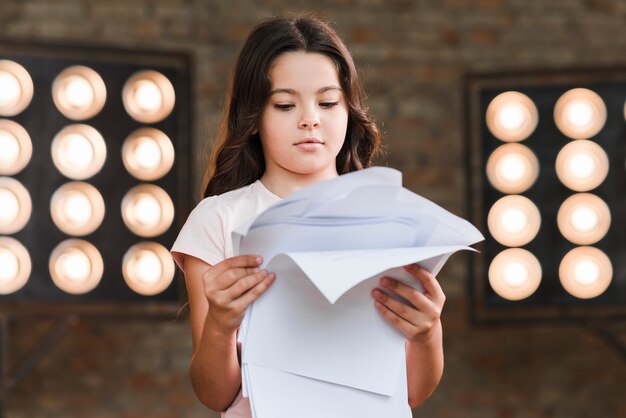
(315, 334)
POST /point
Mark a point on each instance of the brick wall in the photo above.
(412, 55)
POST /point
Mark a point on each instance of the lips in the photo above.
(309, 141)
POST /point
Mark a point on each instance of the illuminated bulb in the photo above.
(148, 96)
(147, 210)
(580, 113)
(10, 88)
(76, 266)
(16, 265)
(512, 168)
(77, 208)
(16, 88)
(78, 151)
(514, 220)
(15, 147)
(585, 272)
(511, 116)
(9, 148)
(79, 92)
(582, 165)
(148, 154)
(9, 206)
(148, 269)
(584, 218)
(10, 265)
(514, 274)
(15, 206)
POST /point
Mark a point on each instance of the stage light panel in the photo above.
(79, 92)
(511, 116)
(580, 113)
(578, 194)
(148, 154)
(15, 206)
(62, 193)
(16, 265)
(77, 208)
(15, 147)
(16, 88)
(148, 268)
(586, 272)
(584, 219)
(148, 96)
(582, 165)
(512, 168)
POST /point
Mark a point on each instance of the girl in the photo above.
(294, 116)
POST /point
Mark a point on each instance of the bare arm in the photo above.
(420, 323)
(218, 297)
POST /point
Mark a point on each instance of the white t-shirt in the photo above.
(207, 236)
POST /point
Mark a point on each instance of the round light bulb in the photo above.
(16, 88)
(16, 265)
(514, 274)
(582, 165)
(15, 147)
(15, 206)
(76, 266)
(148, 269)
(513, 220)
(585, 272)
(512, 168)
(147, 210)
(77, 208)
(79, 92)
(511, 116)
(148, 96)
(584, 218)
(79, 151)
(580, 113)
(148, 154)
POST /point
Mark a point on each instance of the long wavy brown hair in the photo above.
(237, 158)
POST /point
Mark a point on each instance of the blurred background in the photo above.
(414, 58)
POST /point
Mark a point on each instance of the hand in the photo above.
(415, 321)
(231, 286)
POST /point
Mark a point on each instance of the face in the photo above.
(304, 123)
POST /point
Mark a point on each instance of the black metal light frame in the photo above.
(550, 301)
(43, 121)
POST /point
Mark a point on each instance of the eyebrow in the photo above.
(293, 92)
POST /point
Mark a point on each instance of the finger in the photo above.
(431, 285)
(256, 291)
(230, 277)
(240, 261)
(399, 323)
(412, 295)
(404, 311)
(242, 264)
(245, 283)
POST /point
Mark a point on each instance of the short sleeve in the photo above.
(204, 234)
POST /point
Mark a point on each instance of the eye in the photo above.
(328, 105)
(283, 107)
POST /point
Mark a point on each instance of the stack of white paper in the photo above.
(314, 345)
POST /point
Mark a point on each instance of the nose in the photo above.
(309, 120)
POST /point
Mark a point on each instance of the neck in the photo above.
(285, 184)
